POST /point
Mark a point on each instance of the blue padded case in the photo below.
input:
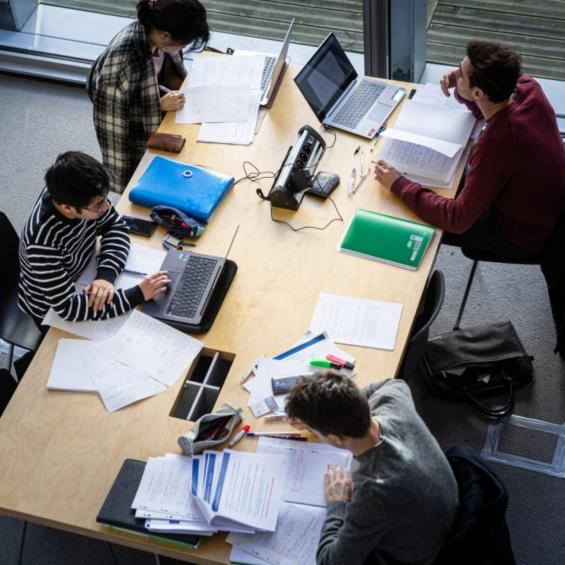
(192, 189)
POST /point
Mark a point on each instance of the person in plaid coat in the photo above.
(137, 78)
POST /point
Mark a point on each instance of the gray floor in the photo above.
(38, 120)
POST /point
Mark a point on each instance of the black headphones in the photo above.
(176, 222)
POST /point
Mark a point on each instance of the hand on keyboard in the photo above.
(154, 285)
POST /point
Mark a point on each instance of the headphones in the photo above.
(176, 222)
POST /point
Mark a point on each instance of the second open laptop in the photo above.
(341, 98)
(273, 71)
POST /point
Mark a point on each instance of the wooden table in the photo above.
(60, 451)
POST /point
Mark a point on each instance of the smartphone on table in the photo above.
(140, 226)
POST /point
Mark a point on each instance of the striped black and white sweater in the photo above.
(55, 250)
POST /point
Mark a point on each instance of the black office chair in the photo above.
(552, 263)
(431, 305)
(480, 535)
(16, 327)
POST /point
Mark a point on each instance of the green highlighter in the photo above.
(324, 363)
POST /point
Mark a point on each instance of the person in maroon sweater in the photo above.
(514, 190)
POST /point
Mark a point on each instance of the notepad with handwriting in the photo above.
(388, 239)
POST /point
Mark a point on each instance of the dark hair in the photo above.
(495, 69)
(330, 403)
(76, 178)
(185, 20)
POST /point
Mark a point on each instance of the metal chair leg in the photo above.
(22, 543)
(466, 295)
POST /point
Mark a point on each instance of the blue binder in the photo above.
(192, 189)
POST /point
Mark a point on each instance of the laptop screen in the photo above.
(326, 76)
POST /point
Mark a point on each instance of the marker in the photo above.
(345, 364)
(167, 246)
(324, 363)
(411, 95)
(239, 435)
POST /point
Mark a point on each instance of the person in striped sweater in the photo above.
(59, 239)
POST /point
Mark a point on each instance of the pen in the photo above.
(352, 180)
(167, 246)
(239, 435)
(339, 361)
(274, 434)
(357, 149)
(278, 436)
(164, 89)
(131, 272)
(324, 363)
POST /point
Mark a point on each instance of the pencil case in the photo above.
(210, 430)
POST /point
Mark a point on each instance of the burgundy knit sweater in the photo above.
(518, 164)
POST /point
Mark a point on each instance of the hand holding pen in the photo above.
(172, 100)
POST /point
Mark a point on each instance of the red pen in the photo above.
(344, 364)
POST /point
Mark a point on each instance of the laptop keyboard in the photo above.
(267, 73)
(192, 286)
(358, 104)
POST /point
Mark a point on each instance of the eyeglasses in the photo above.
(99, 207)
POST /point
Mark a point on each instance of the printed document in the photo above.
(119, 385)
(307, 464)
(357, 321)
(96, 330)
(216, 104)
(235, 133)
(244, 487)
(152, 347)
(227, 71)
(294, 541)
(427, 140)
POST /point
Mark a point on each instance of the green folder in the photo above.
(388, 239)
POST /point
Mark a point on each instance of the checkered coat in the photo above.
(125, 94)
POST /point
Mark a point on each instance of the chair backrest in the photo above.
(431, 305)
(9, 258)
(480, 535)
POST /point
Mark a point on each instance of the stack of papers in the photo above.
(428, 138)
(292, 362)
(217, 491)
(140, 360)
(271, 501)
(223, 95)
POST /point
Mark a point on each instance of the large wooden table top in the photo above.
(60, 451)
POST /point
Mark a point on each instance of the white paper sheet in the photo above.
(216, 104)
(227, 71)
(95, 330)
(432, 94)
(152, 347)
(307, 464)
(119, 385)
(235, 133)
(357, 321)
(294, 541)
(239, 555)
(69, 371)
(444, 147)
(165, 488)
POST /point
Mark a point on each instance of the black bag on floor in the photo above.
(476, 362)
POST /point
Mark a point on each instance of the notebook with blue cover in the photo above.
(189, 188)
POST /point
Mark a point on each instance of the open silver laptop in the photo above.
(193, 279)
(342, 99)
(273, 71)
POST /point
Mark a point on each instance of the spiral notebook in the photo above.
(189, 188)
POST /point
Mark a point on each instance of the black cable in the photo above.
(338, 219)
(332, 131)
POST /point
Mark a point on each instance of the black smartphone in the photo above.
(140, 226)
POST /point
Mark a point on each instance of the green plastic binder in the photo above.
(388, 239)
